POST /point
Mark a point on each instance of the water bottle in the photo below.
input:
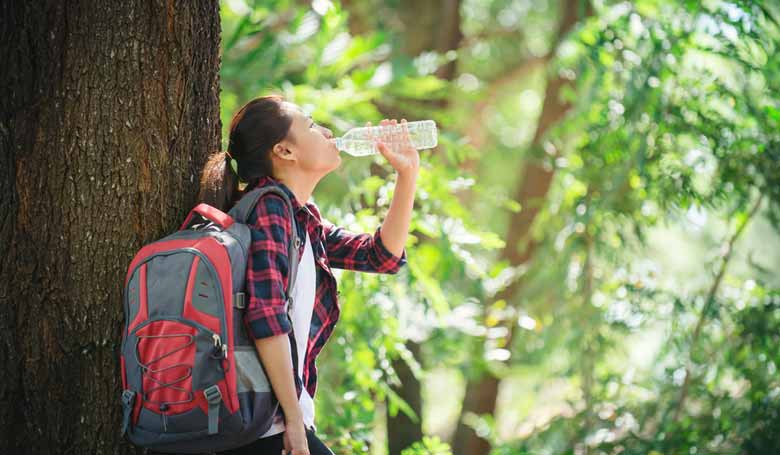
(359, 141)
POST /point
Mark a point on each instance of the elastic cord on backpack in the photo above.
(148, 372)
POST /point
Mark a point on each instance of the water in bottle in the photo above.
(359, 141)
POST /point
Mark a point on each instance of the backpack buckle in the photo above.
(239, 300)
(128, 398)
(213, 395)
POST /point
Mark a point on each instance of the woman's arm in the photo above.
(395, 228)
(406, 161)
(266, 281)
(268, 267)
(362, 252)
(275, 354)
(384, 252)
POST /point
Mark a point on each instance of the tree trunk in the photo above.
(109, 110)
(431, 26)
(534, 183)
(401, 430)
(428, 26)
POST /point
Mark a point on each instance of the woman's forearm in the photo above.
(275, 354)
(395, 227)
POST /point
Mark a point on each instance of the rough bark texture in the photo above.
(531, 192)
(109, 110)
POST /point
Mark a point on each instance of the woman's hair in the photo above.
(254, 130)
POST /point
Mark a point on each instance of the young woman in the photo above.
(274, 142)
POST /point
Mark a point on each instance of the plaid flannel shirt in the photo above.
(268, 270)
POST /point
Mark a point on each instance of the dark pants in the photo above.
(273, 445)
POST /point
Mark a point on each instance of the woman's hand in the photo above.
(403, 156)
(295, 442)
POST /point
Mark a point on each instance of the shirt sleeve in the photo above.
(361, 252)
(267, 268)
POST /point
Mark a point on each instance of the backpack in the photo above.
(192, 380)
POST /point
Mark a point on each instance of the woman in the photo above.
(274, 142)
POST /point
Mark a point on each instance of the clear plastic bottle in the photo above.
(359, 141)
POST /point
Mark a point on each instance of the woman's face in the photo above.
(309, 142)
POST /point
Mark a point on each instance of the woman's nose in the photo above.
(328, 133)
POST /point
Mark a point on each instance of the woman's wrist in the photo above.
(294, 415)
(407, 177)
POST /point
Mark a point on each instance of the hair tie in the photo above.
(232, 162)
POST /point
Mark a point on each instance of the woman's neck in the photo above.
(301, 187)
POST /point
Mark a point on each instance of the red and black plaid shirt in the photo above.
(268, 270)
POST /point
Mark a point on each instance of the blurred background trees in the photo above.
(594, 239)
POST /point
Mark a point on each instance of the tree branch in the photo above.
(708, 305)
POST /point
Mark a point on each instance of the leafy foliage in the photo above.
(647, 318)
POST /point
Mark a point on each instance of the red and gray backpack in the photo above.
(191, 376)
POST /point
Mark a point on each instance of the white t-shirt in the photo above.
(303, 307)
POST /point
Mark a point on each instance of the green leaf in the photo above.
(422, 87)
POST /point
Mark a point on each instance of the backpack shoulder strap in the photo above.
(240, 212)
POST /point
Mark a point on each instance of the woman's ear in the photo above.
(281, 151)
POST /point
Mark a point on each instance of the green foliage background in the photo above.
(648, 320)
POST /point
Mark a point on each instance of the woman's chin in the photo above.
(334, 166)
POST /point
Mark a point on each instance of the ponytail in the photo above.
(219, 186)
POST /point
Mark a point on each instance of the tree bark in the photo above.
(532, 191)
(109, 110)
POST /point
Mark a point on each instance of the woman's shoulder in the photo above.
(271, 208)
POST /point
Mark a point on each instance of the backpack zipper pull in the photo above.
(163, 409)
(220, 350)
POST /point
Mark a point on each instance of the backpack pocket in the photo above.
(176, 369)
(254, 389)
